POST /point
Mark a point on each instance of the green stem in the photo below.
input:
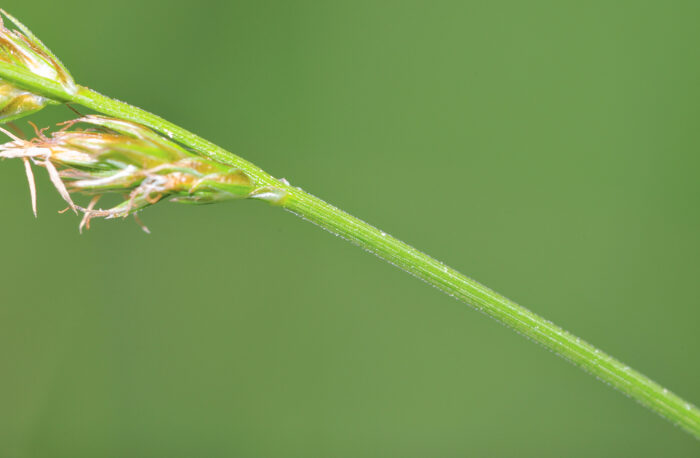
(435, 273)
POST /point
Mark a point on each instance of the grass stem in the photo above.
(400, 254)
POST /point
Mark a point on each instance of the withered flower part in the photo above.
(22, 49)
(113, 156)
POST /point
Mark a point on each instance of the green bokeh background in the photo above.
(548, 149)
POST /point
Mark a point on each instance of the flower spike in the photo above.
(114, 156)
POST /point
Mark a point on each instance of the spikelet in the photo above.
(20, 48)
(114, 156)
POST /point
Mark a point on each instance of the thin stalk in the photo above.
(603, 366)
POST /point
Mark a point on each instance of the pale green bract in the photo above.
(23, 50)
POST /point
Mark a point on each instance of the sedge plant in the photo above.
(144, 158)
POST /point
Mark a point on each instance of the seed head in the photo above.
(22, 49)
(114, 156)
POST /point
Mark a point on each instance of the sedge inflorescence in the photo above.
(113, 156)
(97, 155)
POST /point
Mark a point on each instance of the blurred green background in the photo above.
(548, 149)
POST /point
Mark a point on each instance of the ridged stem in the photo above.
(603, 366)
